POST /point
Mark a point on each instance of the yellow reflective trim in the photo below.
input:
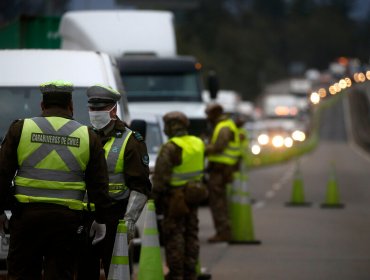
(70, 203)
(42, 184)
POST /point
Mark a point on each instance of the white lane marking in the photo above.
(259, 204)
(270, 194)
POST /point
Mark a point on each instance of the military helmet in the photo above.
(214, 109)
(176, 117)
(101, 96)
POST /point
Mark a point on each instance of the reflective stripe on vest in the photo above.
(192, 160)
(52, 155)
(231, 153)
(114, 153)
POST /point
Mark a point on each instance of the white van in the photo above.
(22, 71)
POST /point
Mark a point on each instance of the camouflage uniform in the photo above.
(180, 233)
(219, 176)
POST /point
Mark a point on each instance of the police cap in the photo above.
(101, 96)
(58, 86)
(57, 92)
(176, 117)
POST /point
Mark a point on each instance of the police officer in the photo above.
(223, 153)
(53, 160)
(129, 184)
(178, 171)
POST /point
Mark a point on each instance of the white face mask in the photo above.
(100, 119)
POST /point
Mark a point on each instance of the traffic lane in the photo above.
(303, 243)
(299, 242)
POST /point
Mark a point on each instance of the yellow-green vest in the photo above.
(53, 153)
(231, 153)
(192, 164)
(114, 153)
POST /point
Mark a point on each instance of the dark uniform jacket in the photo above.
(96, 175)
(136, 160)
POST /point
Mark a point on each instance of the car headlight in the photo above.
(263, 139)
(278, 141)
(298, 135)
(288, 142)
(256, 149)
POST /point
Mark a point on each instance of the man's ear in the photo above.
(113, 113)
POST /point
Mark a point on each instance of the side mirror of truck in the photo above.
(213, 84)
(139, 126)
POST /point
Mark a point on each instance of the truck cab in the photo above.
(155, 77)
(158, 85)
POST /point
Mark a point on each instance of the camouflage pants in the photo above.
(218, 179)
(181, 245)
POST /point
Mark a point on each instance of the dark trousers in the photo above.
(92, 257)
(43, 236)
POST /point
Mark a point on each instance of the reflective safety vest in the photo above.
(231, 153)
(53, 153)
(114, 152)
(192, 164)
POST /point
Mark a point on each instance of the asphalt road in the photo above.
(300, 243)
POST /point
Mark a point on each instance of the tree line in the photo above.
(251, 43)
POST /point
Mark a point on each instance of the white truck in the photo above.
(155, 77)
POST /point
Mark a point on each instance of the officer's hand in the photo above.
(130, 230)
(98, 231)
(3, 224)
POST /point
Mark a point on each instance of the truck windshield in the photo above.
(164, 87)
(24, 102)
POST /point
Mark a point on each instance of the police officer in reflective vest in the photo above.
(54, 160)
(177, 190)
(223, 153)
(128, 168)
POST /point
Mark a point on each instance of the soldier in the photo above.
(223, 153)
(129, 184)
(177, 190)
(54, 160)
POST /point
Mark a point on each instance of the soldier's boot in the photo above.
(220, 237)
